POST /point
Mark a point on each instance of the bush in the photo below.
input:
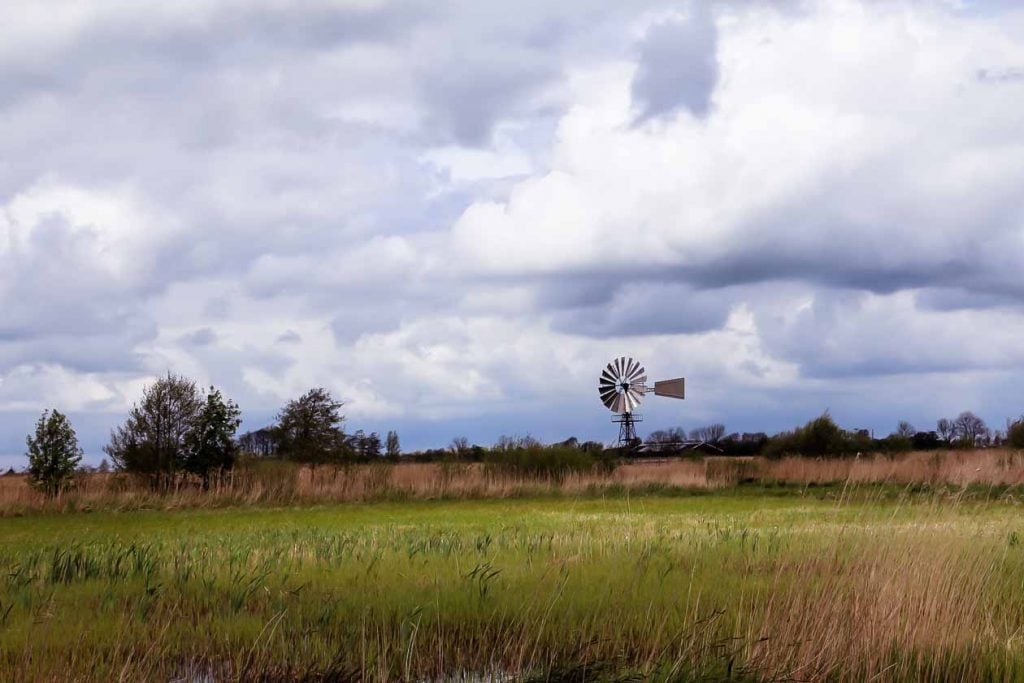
(820, 436)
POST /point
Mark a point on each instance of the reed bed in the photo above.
(282, 483)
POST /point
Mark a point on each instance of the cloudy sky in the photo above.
(453, 214)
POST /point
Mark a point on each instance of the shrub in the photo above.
(820, 436)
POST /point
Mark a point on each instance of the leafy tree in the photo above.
(1015, 433)
(392, 448)
(210, 444)
(371, 447)
(820, 436)
(309, 429)
(152, 442)
(53, 453)
(926, 441)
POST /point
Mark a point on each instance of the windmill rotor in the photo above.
(622, 385)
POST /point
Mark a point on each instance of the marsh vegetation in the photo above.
(731, 584)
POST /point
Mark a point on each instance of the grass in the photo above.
(737, 584)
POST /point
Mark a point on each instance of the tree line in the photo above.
(178, 430)
(822, 436)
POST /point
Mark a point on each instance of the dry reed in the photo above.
(278, 483)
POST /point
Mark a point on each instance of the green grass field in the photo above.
(733, 585)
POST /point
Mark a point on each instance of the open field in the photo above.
(740, 584)
(281, 483)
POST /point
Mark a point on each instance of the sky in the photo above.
(453, 214)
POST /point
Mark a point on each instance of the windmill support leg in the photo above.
(627, 428)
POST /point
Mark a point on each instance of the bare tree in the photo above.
(945, 430)
(710, 434)
(392, 449)
(459, 446)
(905, 430)
(969, 429)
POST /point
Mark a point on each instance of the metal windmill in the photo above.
(622, 387)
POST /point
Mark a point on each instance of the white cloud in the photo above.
(444, 213)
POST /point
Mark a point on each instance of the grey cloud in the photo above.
(640, 309)
(289, 337)
(1000, 75)
(678, 65)
(204, 336)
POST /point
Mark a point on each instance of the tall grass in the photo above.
(656, 589)
(281, 483)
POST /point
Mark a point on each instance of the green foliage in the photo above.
(1015, 434)
(210, 444)
(53, 453)
(535, 460)
(309, 429)
(152, 442)
(819, 437)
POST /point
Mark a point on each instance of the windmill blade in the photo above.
(638, 370)
(636, 395)
(631, 365)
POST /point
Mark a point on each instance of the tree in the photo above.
(210, 444)
(459, 447)
(1015, 433)
(364, 446)
(260, 443)
(969, 429)
(944, 428)
(905, 430)
(392, 449)
(709, 434)
(309, 429)
(53, 453)
(152, 442)
(104, 466)
(371, 446)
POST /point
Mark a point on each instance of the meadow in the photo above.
(739, 583)
(874, 568)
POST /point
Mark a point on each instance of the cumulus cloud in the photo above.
(451, 215)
